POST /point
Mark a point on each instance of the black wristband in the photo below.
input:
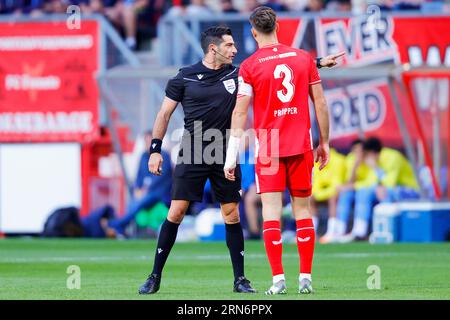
(318, 63)
(155, 146)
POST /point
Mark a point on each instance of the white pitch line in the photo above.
(354, 255)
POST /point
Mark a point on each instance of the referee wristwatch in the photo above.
(318, 65)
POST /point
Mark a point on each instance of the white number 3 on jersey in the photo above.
(280, 70)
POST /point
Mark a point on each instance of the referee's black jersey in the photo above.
(208, 98)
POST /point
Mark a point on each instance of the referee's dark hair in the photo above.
(213, 35)
(263, 19)
(373, 144)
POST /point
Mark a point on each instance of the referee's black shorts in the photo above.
(189, 181)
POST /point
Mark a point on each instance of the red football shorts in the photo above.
(294, 172)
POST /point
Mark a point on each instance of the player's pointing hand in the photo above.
(155, 163)
(330, 61)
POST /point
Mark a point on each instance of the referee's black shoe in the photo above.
(242, 284)
(151, 285)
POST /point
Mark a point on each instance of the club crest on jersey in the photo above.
(230, 85)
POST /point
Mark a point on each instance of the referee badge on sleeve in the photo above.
(230, 85)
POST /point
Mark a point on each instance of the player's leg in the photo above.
(228, 194)
(299, 179)
(235, 243)
(305, 240)
(270, 180)
(188, 183)
(166, 240)
(314, 212)
(272, 204)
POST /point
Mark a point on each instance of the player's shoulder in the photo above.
(301, 53)
(246, 64)
(190, 69)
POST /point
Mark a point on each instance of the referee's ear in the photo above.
(211, 48)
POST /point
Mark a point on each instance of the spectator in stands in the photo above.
(276, 5)
(339, 6)
(295, 5)
(315, 6)
(122, 13)
(250, 5)
(58, 6)
(393, 181)
(325, 189)
(394, 5)
(357, 176)
(190, 8)
(149, 189)
(31, 7)
(8, 7)
(95, 225)
(227, 6)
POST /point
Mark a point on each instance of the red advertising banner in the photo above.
(291, 31)
(418, 40)
(48, 90)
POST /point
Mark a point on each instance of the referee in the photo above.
(207, 90)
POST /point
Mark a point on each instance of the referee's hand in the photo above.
(155, 164)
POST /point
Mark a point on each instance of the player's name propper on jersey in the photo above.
(278, 56)
(285, 111)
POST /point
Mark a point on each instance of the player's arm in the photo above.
(321, 110)
(159, 131)
(239, 116)
(329, 61)
(238, 120)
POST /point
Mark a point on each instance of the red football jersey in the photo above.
(278, 77)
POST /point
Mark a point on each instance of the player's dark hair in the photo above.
(263, 19)
(213, 35)
(372, 144)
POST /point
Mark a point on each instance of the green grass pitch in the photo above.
(37, 269)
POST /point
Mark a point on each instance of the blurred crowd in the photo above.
(138, 18)
(344, 195)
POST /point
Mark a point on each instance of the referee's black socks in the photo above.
(166, 239)
(235, 243)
